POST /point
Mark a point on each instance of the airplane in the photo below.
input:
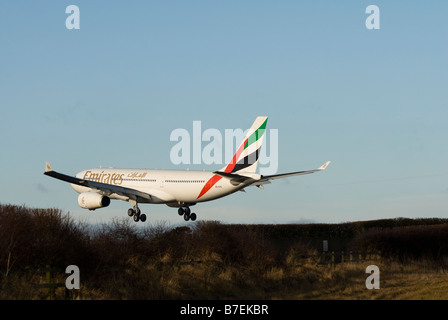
(175, 188)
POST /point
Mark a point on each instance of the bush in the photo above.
(425, 242)
(124, 260)
(39, 237)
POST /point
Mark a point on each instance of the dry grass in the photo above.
(209, 261)
(205, 281)
(343, 281)
(397, 282)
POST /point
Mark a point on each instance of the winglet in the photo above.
(48, 167)
(324, 166)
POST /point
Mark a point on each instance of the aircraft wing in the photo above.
(106, 189)
(290, 174)
(261, 180)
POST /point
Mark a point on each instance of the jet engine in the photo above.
(93, 200)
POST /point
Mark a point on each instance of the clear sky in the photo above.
(374, 102)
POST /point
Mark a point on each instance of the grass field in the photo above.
(216, 261)
(343, 281)
(397, 282)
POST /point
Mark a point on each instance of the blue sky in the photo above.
(374, 102)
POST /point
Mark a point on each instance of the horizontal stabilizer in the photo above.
(233, 177)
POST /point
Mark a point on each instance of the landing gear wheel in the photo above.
(186, 212)
(135, 212)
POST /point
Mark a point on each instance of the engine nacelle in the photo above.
(93, 200)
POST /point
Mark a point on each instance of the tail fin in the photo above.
(246, 157)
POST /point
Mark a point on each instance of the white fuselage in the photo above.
(172, 187)
(175, 188)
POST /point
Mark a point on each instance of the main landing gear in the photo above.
(187, 214)
(136, 213)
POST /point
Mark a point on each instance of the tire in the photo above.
(131, 212)
(136, 217)
(193, 216)
(186, 217)
(143, 217)
(181, 211)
